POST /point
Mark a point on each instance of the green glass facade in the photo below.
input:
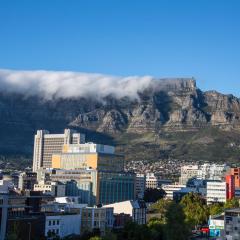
(115, 187)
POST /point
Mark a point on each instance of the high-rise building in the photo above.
(88, 155)
(115, 187)
(95, 187)
(140, 185)
(230, 186)
(46, 144)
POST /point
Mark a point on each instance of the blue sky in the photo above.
(163, 38)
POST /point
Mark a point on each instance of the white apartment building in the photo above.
(170, 188)
(216, 192)
(136, 209)
(188, 172)
(140, 185)
(62, 224)
(151, 181)
(212, 171)
(46, 144)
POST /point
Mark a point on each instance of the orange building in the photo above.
(89, 155)
(236, 173)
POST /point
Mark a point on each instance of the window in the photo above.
(57, 231)
(49, 223)
(57, 222)
(53, 222)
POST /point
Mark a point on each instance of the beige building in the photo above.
(151, 181)
(46, 144)
(56, 189)
(137, 210)
(93, 218)
(188, 172)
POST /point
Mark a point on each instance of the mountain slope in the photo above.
(170, 119)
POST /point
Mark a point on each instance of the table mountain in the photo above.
(171, 118)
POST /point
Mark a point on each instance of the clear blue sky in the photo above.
(163, 38)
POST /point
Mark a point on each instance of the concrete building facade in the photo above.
(62, 224)
(188, 172)
(97, 217)
(140, 185)
(137, 210)
(46, 144)
(88, 155)
(216, 192)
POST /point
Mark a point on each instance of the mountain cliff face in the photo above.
(167, 107)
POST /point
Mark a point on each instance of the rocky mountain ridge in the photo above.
(168, 105)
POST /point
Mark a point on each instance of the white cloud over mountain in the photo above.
(49, 84)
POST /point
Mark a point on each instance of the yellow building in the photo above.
(89, 155)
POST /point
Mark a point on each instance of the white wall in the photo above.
(68, 224)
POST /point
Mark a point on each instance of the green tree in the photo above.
(155, 227)
(159, 208)
(14, 232)
(176, 227)
(96, 238)
(215, 209)
(12, 236)
(133, 231)
(110, 236)
(231, 203)
(195, 209)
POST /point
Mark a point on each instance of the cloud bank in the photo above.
(56, 84)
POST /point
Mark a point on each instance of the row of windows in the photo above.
(53, 232)
(95, 214)
(53, 222)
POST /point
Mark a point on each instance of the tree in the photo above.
(153, 194)
(195, 209)
(155, 227)
(215, 209)
(133, 231)
(176, 227)
(12, 236)
(160, 207)
(110, 236)
(14, 233)
(231, 203)
(95, 238)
